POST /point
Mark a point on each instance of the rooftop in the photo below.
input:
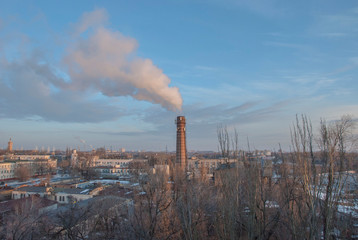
(55, 190)
(33, 201)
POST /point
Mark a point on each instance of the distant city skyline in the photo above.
(118, 73)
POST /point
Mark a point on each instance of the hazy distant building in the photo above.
(74, 158)
(30, 157)
(181, 157)
(9, 146)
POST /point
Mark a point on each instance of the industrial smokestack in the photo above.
(9, 146)
(181, 142)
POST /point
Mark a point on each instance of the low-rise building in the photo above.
(7, 170)
(35, 166)
(112, 167)
(112, 171)
(61, 195)
(30, 157)
(210, 164)
(118, 163)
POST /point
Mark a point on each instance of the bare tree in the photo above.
(194, 205)
(321, 191)
(224, 141)
(235, 144)
(23, 221)
(152, 204)
(22, 172)
(305, 164)
(333, 140)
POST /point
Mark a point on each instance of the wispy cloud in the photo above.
(119, 133)
(206, 68)
(354, 60)
(202, 121)
(336, 25)
(26, 91)
(200, 116)
(267, 8)
(287, 45)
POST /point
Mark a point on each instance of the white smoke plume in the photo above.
(55, 85)
(80, 139)
(103, 60)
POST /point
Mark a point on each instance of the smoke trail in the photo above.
(103, 60)
(96, 61)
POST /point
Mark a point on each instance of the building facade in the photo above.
(119, 163)
(7, 170)
(61, 195)
(35, 167)
(113, 167)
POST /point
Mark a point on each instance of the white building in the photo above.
(210, 164)
(117, 163)
(7, 170)
(74, 158)
(61, 195)
(35, 166)
(114, 167)
(113, 171)
(30, 157)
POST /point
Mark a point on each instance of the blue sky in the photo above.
(117, 73)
